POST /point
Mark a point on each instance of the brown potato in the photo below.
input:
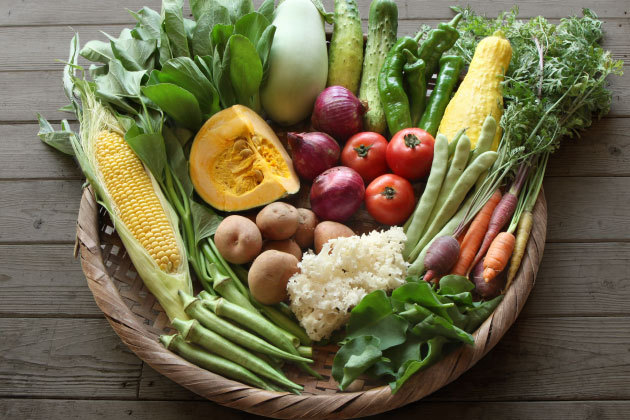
(287, 245)
(238, 239)
(307, 221)
(269, 274)
(326, 231)
(277, 221)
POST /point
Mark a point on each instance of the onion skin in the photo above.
(313, 153)
(338, 112)
(441, 257)
(337, 194)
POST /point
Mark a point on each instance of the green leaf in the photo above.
(183, 72)
(219, 37)
(221, 75)
(97, 51)
(96, 71)
(205, 221)
(401, 354)
(252, 26)
(454, 284)
(480, 312)
(354, 358)
(205, 65)
(119, 84)
(135, 54)
(245, 71)
(201, 36)
(149, 23)
(164, 47)
(422, 293)
(374, 316)
(176, 159)
(69, 74)
(414, 313)
(266, 9)
(434, 353)
(263, 47)
(176, 102)
(435, 325)
(174, 27)
(328, 17)
(60, 140)
(235, 8)
(149, 147)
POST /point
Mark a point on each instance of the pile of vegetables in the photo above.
(174, 136)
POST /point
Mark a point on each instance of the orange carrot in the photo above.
(498, 255)
(474, 236)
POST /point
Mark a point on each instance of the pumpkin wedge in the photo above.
(237, 162)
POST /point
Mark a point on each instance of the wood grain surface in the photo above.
(566, 357)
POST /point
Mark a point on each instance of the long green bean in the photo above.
(193, 331)
(431, 191)
(486, 137)
(195, 309)
(455, 198)
(212, 362)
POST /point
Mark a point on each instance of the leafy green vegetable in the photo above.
(148, 26)
(201, 36)
(97, 51)
(60, 140)
(374, 316)
(411, 366)
(176, 102)
(354, 358)
(435, 325)
(245, 70)
(150, 149)
(118, 85)
(173, 26)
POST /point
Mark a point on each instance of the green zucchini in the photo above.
(382, 30)
(345, 55)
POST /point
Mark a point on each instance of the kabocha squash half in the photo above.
(479, 94)
(237, 162)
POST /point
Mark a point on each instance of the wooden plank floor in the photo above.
(566, 357)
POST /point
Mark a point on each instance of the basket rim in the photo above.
(286, 405)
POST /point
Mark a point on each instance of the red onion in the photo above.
(313, 153)
(338, 112)
(337, 194)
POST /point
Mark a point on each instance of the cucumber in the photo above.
(345, 56)
(382, 29)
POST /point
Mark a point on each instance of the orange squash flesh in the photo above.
(237, 162)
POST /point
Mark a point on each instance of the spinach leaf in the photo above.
(266, 9)
(435, 325)
(176, 159)
(236, 8)
(354, 358)
(219, 37)
(374, 316)
(176, 102)
(134, 54)
(97, 51)
(245, 71)
(252, 26)
(205, 221)
(222, 79)
(60, 140)
(201, 36)
(411, 366)
(173, 26)
(422, 293)
(454, 284)
(480, 312)
(119, 84)
(183, 72)
(149, 23)
(149, 147)
(263, 47)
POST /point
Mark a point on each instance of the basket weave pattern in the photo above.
(138, 319)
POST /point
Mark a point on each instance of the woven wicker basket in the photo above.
(138, 319)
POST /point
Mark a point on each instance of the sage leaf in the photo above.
(135, 54)
(149, 23)
(97, 51)
(119, 84)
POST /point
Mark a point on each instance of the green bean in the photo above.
(193, 332)
(486, 138)
(453, 144)
(455, 170)
(276, 336)
(420, 216)
(195, 309)
(455, 198)
(211, 362)
(417, 267)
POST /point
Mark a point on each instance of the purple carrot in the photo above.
(441, 257)
(502, 212)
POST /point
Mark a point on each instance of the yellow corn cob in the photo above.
(135, 200)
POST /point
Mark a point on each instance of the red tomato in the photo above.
(389, 199)
(365, 153)
(410, 153)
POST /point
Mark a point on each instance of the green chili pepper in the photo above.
(450, 68)
(438, 41)
(416, 84)
(391, 88)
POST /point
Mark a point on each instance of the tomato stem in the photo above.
(411, 140)
(389, 193)
(362, 150)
